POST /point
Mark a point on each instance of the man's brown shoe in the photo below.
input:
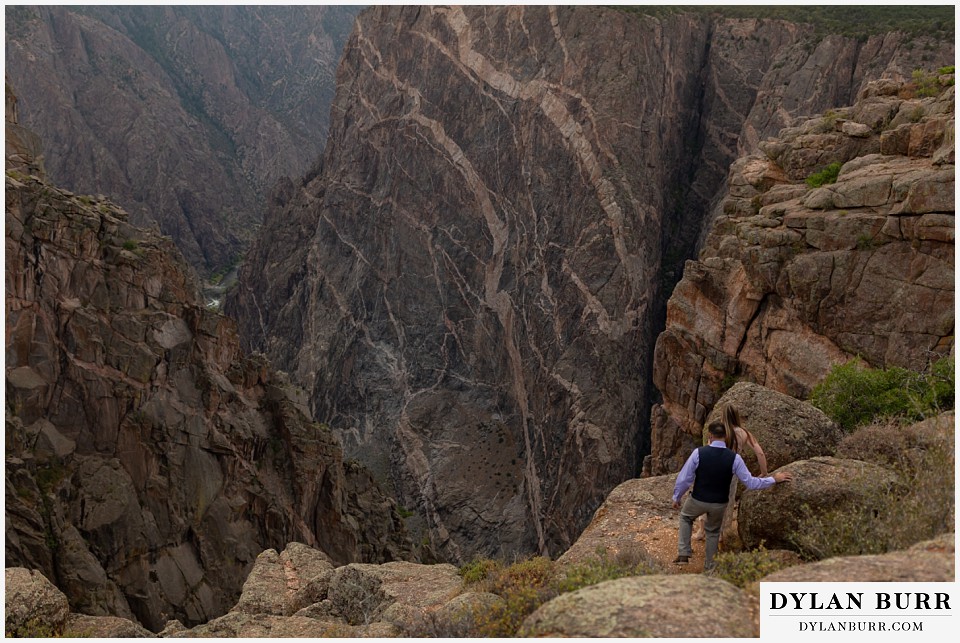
(681, 560)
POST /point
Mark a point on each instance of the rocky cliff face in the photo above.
(148, 459)
(795, 278)
(183, 115)
(470, 284)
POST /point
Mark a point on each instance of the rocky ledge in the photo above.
(291, 595)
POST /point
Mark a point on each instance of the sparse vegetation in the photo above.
(866, 242)
(526, 585)
(743, 568)
(478, 570)
(931, 83)
(855, 395)
(729, 379)
(889, 519)
(35, 628)
(825, 176)
(916, 114)
(830, 118)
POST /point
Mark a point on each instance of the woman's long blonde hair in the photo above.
(731, 419)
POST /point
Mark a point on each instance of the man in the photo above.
(710, 469)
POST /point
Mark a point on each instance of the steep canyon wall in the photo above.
(184, 115)
(471, 282)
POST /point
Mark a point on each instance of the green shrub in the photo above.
(536, 573)
(743, 568)
(949, 69)
(938, 392)
(604, 568)
(478, 570)
(854, 395)
(825, 176)
(523, 586)
(130, 244)
(35, 628)
(866, 242)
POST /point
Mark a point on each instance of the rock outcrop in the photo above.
(931, 561)
(505, 201)
(637, 519)
(646, 607)
(33, 607)
(82, 626)
(185, 116)
(821, 484)
(794, 279)
(281, 584)
(296, 593)
(148, 459)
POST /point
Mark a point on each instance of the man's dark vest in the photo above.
(712, 482)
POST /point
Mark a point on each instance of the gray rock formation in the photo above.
(470, 283)
(646, 607)
(296, 593)
(33, 606)
(277, 583)
(104, 627)
(183, 115)
(927, 562)
(148, 459)
(794, 279)
(787, 429)
(772, 516)
(637, 519)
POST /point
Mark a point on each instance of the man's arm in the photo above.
(685, 477)
(740, 470)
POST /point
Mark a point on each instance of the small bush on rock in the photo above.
(743, 568)
(478, 570)
(825, 176)
(524, 586)
(528, 584)
(854, 395)
(604, 568)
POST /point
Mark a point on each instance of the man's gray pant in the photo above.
(692, 509)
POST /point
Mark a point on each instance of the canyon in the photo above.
(473, 279)
(541, 244)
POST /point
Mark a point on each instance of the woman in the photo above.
(737, 436)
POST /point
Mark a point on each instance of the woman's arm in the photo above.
(761, 458)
